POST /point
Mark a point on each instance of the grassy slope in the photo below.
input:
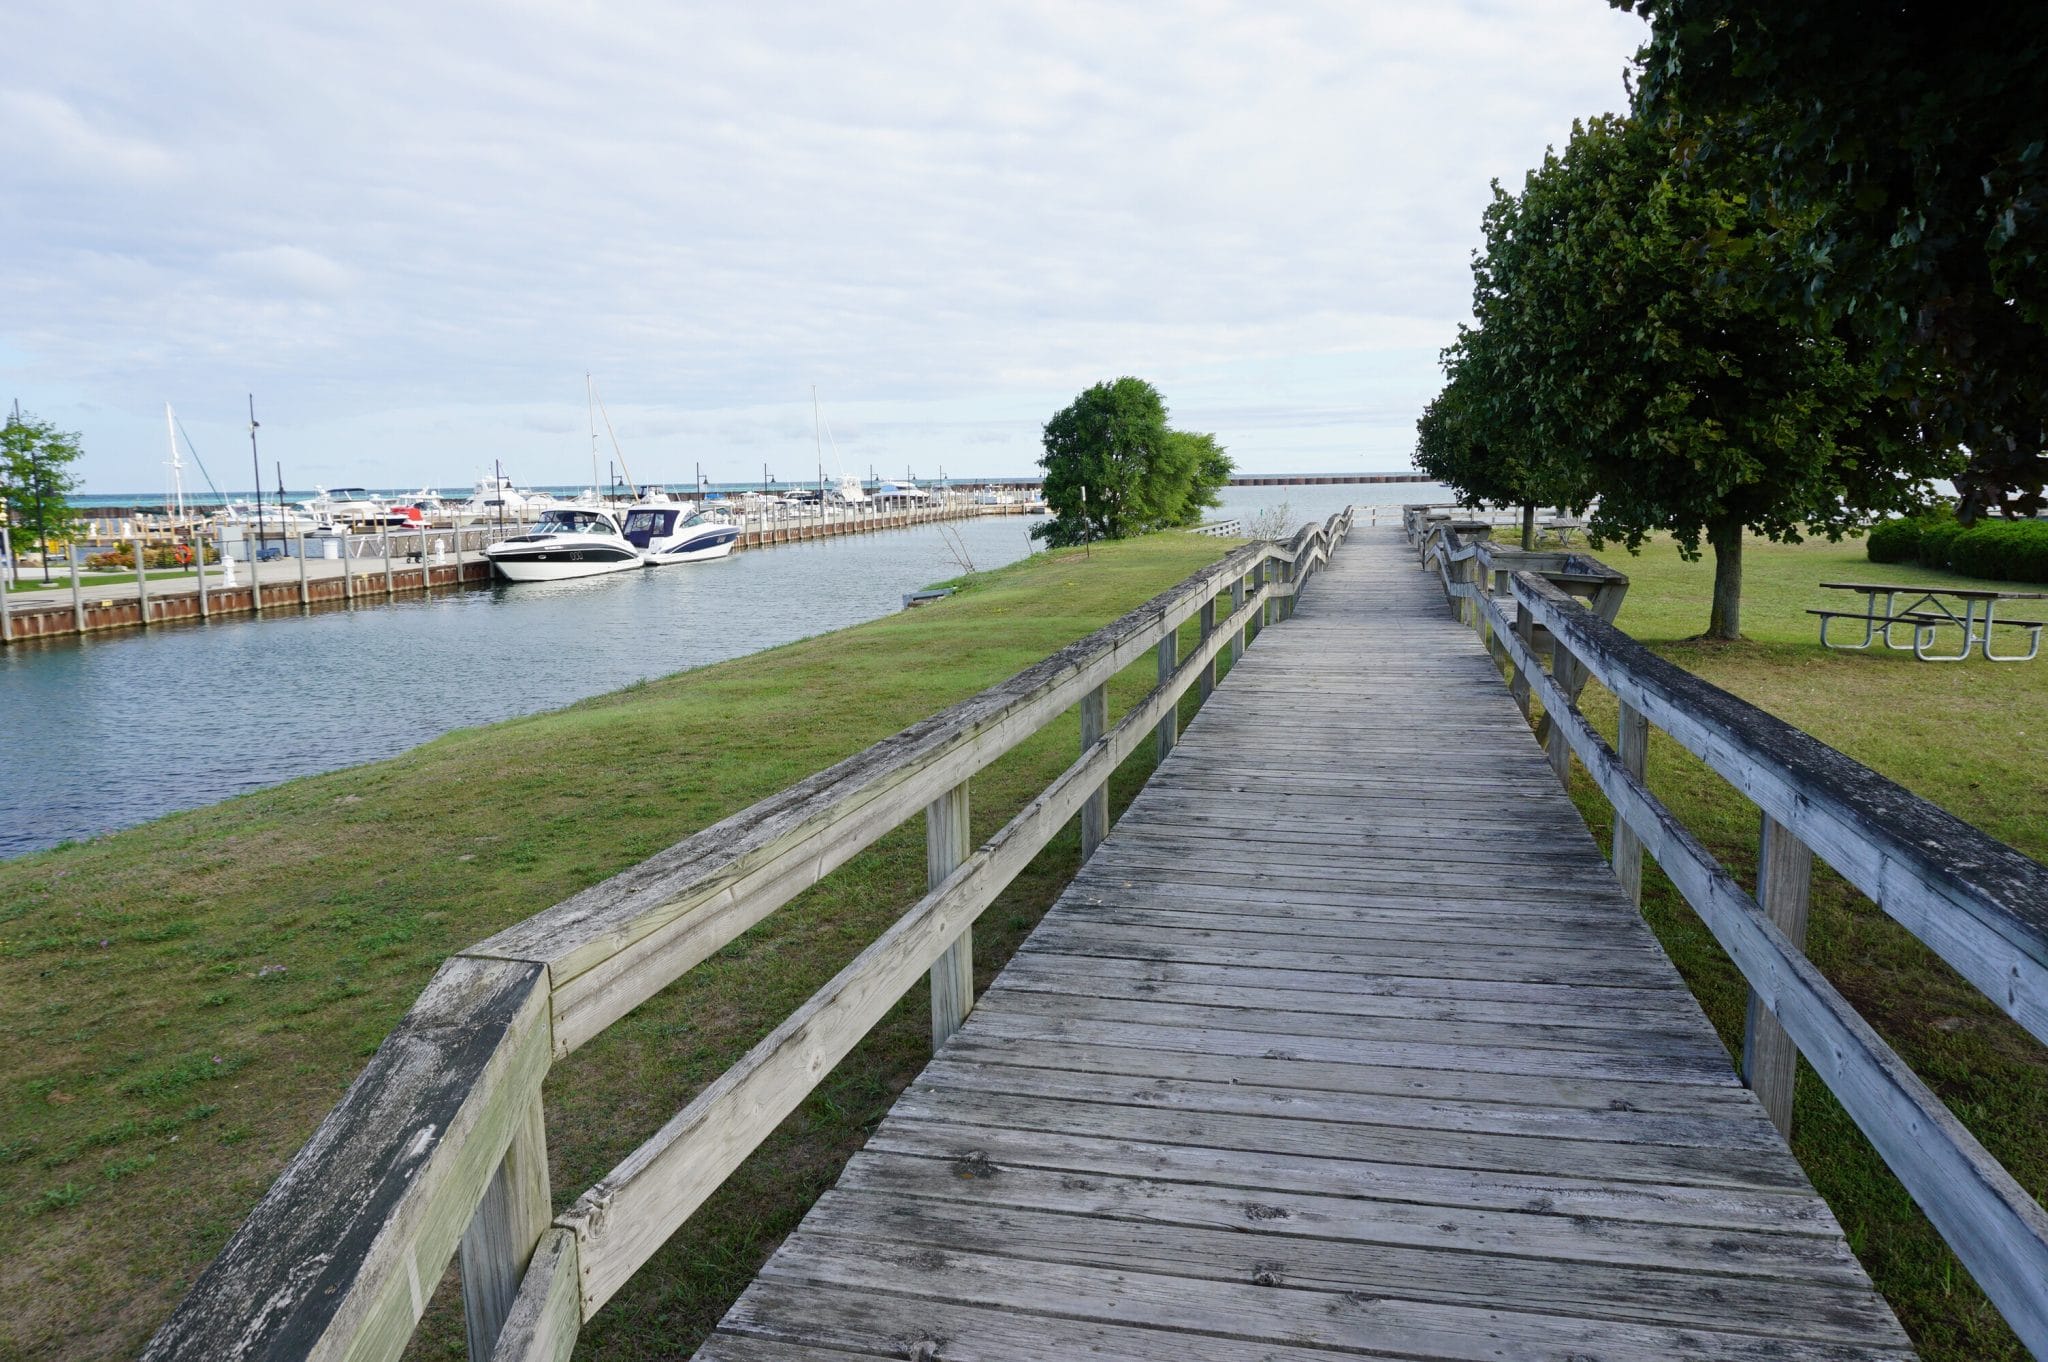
(185, 1000)
(1966, 736)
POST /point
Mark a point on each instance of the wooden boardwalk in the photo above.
(1345, 1041)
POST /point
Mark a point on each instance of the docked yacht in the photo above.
(568, 541)
(674, 532)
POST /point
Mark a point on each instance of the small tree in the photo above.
(36, 482)
(1113, 468)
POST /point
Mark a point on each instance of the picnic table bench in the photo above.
(1927, 611)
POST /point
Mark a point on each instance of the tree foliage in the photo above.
(1622, 351)
(1114, 468)
(36, 482)
(1908, 180)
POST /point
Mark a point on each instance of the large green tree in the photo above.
(1114, 468)
(1907, 171)
(1630, 357)
(36, 482)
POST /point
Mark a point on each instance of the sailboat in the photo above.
(849, 490)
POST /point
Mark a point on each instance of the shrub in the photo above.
(1893, 541)
(2003, 550)
(1936, 540)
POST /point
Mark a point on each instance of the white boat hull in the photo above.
(701, 550)
(560, 564)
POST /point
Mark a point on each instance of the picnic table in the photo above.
(1927, 611)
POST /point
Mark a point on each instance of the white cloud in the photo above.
(942, 215)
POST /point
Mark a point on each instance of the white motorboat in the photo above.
(495, 499)
(672, 532)
(351, 506)
(567, 542)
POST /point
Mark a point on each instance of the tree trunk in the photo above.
(1726, 620)
(1528, 528)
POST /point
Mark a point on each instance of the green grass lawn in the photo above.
(184, 1001)
(60, 579)
(1967, 736)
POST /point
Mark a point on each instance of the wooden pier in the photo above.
(1346, 1039)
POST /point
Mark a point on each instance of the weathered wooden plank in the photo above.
(343, 1249)
(508, 1223)
(1735, 1127)
(1770, 1061)
(547, 1314)
(947, 845)
(1798, 1286)
(972, 1150)
(1334, 1320)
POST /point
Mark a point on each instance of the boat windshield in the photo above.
(572, 522)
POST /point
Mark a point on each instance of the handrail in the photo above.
(441, 1141)
(1979, 904)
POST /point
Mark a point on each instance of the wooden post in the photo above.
(508, 1223)
(1634, 737)
(1518, 685)
(1239, 639)
(1560, 750)
(945, 847)
(305, 592)
(199, 553)
(1095, 813)
(1784, 880)
(77, 597)
(141, 583)
(1208, 678)
(1169, 724)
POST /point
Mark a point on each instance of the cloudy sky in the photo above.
(410, 230)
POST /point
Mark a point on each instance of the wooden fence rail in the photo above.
(1979, 904)
(439, 1147)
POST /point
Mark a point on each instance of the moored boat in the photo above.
(567, 542)
(673, 532)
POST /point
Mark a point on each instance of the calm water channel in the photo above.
(105, 732)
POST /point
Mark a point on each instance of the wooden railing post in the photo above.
(1242, 637)
(1784, 881)
(1518, 684)
(1288, 574)
(501, 1236)
(1554, 742)
(1208, 677)
(1094, 723)
(1634, 740)
(945, 847)
(1169, 726)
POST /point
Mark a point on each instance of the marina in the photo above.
(301, 569)
(175, 718)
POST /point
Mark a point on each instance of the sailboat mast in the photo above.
(590, 405)
(174, 505)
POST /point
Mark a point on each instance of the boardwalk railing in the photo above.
(440, 1145)
(1979, 904)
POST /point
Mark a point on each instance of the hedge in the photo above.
(2001, 550)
